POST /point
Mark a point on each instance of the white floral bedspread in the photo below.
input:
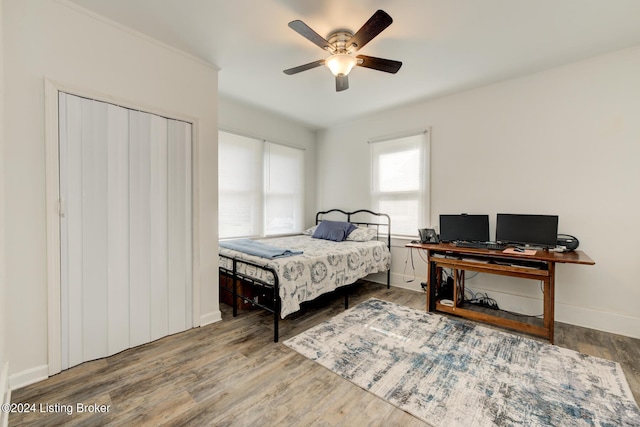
(323, 267)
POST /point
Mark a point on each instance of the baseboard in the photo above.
(28, 377)
(4, 416)
(210, 318)
(5, 393)
(600, 320)
(39, 373)
(579, 316)
(398, 281)
(412, 285)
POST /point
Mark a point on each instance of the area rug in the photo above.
(454, 373)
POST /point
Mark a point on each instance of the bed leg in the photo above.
(275, 326)
(276, 310)
(235, 297)
(234, 289)
(389, 279)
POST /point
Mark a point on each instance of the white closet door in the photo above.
(125, 184)
(140, 234)
(94, 228)
(179, 219)
(158, 226)
(118, 255)
(71, 228)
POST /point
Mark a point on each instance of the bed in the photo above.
(282, 283)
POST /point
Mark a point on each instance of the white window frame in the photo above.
(294, 192)
(398, 143)
(264, 187)
(254, 195)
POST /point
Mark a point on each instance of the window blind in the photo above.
(399, 181)
(260, 187)
(283, 190)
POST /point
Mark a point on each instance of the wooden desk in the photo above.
(540, 266)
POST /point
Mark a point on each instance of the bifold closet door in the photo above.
(125, 186)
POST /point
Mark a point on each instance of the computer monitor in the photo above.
(533, 230)
(472, 228)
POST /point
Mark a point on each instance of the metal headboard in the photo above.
(348, 216)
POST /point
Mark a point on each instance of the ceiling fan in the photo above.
(342, 44)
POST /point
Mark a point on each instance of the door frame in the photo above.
(54, 207)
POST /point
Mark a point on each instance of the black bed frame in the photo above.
(272, 289)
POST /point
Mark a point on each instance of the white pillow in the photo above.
(362, 234)
(310, 231)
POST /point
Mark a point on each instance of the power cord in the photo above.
(482, 300)
(413, 267)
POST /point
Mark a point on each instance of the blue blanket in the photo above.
(253, 247)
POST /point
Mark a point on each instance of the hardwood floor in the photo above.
(232, 374)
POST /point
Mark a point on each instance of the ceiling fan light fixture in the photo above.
(340, 63)
(343, 44)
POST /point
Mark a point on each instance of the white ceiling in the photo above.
(445, 45)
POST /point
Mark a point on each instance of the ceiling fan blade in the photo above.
(304, 67)
(305, 31)
(374, 26)
(380, 64)
(342, 82)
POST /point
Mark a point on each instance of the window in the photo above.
(283, 189)
(260, 187)
(400, 181)
(239, 185)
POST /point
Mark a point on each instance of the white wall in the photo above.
(248, 120)
(53, 39)
(3, 311)
(564, 141)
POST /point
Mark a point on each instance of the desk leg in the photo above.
(458, 287)
(549, 301)
(432, 282)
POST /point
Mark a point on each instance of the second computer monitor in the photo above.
(534, 230)
(473, 228)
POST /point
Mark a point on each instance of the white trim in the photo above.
(262, 151)
(574, 315)
(51, 89)
(398, 280)
(28, 377)
(5, 393)
(209, 318)
(566, 313)
(605, 321)
(121, 102)
(391, 144)
(4, 416)
(195, 221)
(54, 327)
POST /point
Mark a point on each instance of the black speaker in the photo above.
(567, 242)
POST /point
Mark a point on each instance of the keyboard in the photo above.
(480, 245)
